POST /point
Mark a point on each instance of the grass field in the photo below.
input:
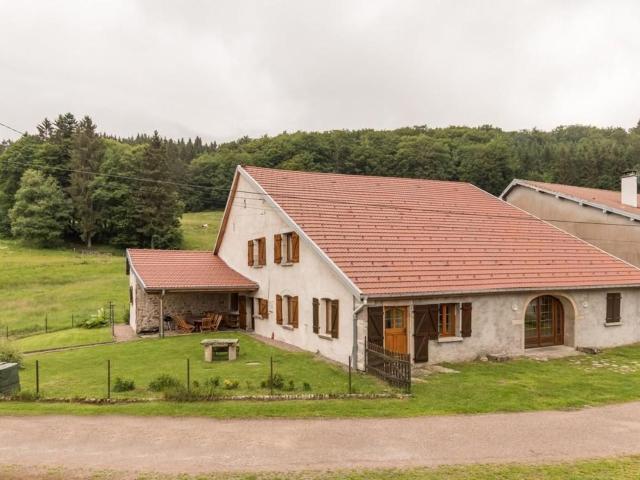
(59, 284)
(64, 338)
(195, 236)
(519, 385)
(625, 468)
(83, 373)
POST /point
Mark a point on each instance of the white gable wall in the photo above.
(250, 218)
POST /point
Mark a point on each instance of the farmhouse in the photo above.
(442, 271)
(607, 219)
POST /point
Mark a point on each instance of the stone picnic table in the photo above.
(213, 344)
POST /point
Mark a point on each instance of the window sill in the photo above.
(286, 264)
(324, 336)
(449, 339)
(287, 327)
(257, 266)
(612, 324)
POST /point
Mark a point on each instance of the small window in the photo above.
(289, 248)
(131, 295)
(262, 307)
(447, 319)
(287, 310)
(257, 252)
(394, 317)
(613, 308)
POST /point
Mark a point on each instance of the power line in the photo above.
(11, 128)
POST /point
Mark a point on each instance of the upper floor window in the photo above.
(286, 248)
(257, 252)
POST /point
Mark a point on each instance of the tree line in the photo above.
(69, 181)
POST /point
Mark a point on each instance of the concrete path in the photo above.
(124, 333)
(197, 445)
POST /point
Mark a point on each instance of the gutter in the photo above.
(356, 311)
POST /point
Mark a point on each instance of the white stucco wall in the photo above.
(498, 322)
(250, 218)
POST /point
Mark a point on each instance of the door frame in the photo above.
(557, 324)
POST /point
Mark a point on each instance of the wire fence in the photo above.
(106, 315)
(111, 382)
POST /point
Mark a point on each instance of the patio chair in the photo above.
(207, 322)
(182, 325)
(216, 320)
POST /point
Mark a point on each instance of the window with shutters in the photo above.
(261, 306)
(288, 252)
(447, 325)
(329, 311)
(613, 308)
(257, 252)
(287, 310)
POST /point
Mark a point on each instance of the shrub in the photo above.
(291, 387)
(230, 384)
(306, 387)
(212, 383)
(278, 382)
(164, 382)
(123, 385)
(9, 352)
(96, 320)
(125, 317)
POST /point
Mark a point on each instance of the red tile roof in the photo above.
(605, 198)
(400, 236)
(185, 270)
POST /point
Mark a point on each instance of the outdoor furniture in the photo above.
(212, 345)
(182, 325)
(207, 322)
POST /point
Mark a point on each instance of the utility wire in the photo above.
(11, 128)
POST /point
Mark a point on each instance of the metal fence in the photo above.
(393, 367)
(52, 322)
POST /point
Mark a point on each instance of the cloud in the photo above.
(225, 69)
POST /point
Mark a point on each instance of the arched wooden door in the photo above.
(544, 322)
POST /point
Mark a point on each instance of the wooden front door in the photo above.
(395, 329)
(544, 322)
(375, 325)
(242, 312)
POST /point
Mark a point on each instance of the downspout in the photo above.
(162, 314)
(356, 311)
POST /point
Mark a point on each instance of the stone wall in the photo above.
(147, 306)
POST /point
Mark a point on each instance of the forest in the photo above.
(70, 182)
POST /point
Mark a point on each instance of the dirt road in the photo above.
(194, 445)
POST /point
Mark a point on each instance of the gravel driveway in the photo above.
(195, 445)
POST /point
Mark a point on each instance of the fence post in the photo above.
(37, 377)
(46, 321)
(188, 376)
(109, 379)
(271, 375)
(349, 374)
(7, 332)
(111, 319)
(72, 321)
(366, 354)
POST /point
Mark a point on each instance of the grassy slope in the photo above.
(60, 283)
(626, 468)
(195, 237)
(83, 372)
(64, 338)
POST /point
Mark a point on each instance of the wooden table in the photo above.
(212, 344)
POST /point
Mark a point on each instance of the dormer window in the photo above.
(286, 248)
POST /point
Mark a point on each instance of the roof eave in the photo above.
(221, 289)
(374, 295)
(578, 200)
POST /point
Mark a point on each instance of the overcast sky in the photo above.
(222, 69)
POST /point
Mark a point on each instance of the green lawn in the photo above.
(625, 468)
(519, 385)
(83, 372)
(61, 284)
(64, 338)
(195, 237)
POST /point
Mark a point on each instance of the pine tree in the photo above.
(41, 211)
(86, 156)
(156, 208)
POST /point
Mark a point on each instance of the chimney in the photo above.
(629, 189)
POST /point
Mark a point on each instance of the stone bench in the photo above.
(212, 345)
